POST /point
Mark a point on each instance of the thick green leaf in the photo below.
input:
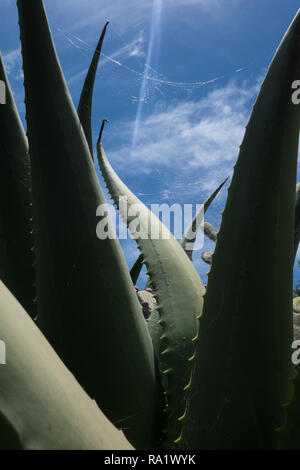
(16, 240)
(136, 269)
(102, 337)
(189, 237)
(86, 98)
(176, 287)
(42, 406)
(242, 369)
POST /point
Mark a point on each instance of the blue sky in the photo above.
(177, 80)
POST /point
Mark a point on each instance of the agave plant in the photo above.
(209, 368)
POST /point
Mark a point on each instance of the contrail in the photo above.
(154, 35)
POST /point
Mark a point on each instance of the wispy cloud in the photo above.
(136, 46)
(133, 48)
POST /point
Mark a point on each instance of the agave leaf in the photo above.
(101, 337)
(85, 103)
(42, 406)
(242, 367)
(297, 220)
(176, 286)
(189, 236)
(156, 331)
(136, 269)
(154, 324)
(16, 240)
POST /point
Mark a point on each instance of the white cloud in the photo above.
(198, 138)
(13, 63)
(133, 48)
(136, 46)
